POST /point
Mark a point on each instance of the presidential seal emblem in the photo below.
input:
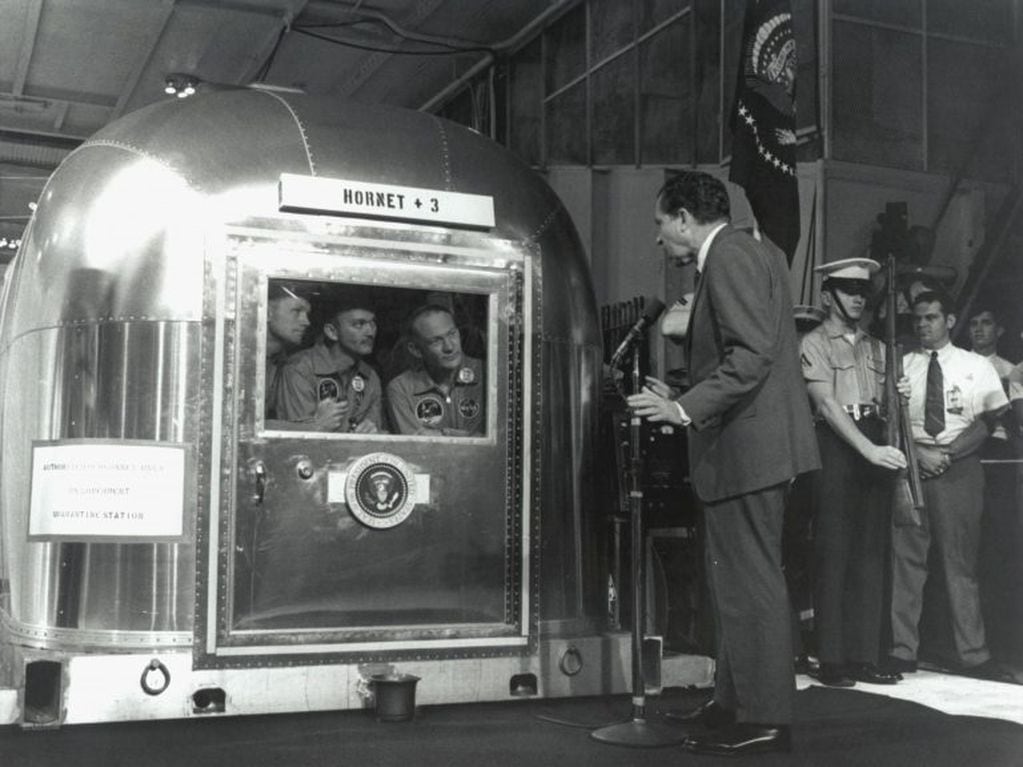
(380, 490)
(358, 384)
(466, 375)
(772, 54)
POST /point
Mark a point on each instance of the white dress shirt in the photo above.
(971, 385)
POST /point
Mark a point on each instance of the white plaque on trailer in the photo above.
(108, 490)
(313, 194)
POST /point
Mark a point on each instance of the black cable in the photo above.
(265, 69)
(333, 24)
(396, 51)
(569, 723)
(409, 37)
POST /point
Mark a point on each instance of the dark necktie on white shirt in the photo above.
(934, 400)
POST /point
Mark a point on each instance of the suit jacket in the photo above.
(751, 423)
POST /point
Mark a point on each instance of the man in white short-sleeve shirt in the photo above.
(956, 396)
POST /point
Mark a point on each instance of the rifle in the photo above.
(908, 500)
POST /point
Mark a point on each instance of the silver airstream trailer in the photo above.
(169, 547)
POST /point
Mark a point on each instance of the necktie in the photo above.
(934, 400)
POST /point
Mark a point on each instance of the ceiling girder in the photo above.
(28, 44)
(165, 11)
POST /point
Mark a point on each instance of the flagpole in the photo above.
(825, 71)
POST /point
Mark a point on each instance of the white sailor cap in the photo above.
(849, 269)
(808, 315)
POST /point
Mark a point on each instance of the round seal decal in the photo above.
(430, 410)
(380, 490)
(327, 388)
(469, 408)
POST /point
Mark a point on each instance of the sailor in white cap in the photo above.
(844, 370)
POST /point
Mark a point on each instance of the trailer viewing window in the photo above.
(345, 358)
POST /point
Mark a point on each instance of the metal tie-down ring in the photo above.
(154, 665)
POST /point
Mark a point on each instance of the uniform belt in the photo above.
(863, 411)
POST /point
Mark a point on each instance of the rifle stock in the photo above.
(907, 502)
(908, 505)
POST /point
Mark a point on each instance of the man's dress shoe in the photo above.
(740, 738)
(804, 665)
(833, 675)
(990, 670)
(900, 665)
(871, 674)
(710, 715)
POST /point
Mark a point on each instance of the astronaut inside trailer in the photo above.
(323, 359)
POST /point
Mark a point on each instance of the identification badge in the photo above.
(954, 400)
(466, 376)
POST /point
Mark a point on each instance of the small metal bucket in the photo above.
(395, 696)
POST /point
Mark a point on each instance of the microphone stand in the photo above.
(637, 732)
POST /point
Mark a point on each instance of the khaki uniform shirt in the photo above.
(854, 365)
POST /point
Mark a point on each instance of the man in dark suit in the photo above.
(751, 433)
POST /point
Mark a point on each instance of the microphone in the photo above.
(652, 310)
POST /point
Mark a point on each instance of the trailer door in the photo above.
(405, 530)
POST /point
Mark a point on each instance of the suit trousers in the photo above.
(998, 560)
(754, 675)
(852, 502)
(949, 530)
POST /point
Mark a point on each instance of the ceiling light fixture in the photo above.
(180, 85)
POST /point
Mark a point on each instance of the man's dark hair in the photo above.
(704, 196)
(937, 297)
(349, 297)
(979, 308)
(423, 310)
(344, 301)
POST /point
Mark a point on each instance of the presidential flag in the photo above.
(763, 122)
